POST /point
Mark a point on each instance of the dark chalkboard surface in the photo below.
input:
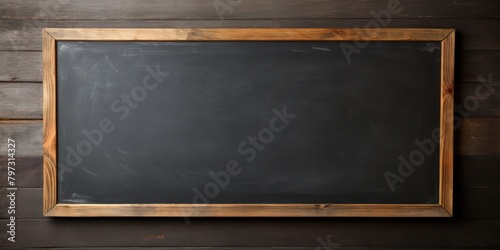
(245, 122)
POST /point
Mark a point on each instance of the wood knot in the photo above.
(449, 90)
(322, 206)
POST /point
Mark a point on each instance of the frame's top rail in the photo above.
(249, 34)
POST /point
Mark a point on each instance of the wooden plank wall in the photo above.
(476, 223)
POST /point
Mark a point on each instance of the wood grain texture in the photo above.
(233, 248)
(20, 101)
(257, 232)
(333, 246)
(481, 100)
(480, 137)
(470, 66)
(473, 34)
(248, 34)
(27, 134)
(248, 210)
(474, 136)
(26, 199)
(446, 123)
(29, 171)
(20, 66)
(24, 100)
(476, 185)
(49, 123)
(255, 9)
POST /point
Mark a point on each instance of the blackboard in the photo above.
(249, 122)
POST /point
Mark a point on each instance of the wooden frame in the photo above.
(443, 209)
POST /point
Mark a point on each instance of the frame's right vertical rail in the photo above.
(446, 126)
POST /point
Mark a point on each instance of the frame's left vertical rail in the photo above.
(49, 123)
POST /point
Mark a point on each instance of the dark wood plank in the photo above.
(470, 66)
(475, 203)
(27, 202)
(264, 232)
(476, 187)
(20, 66)
(27, 134)
(478, 136)
(472, 34)
(256, 9)
(21, 100)
(325, 247)
(474, 136)
(475, 100)
(333, 246)
(479, 100)
(28, 169)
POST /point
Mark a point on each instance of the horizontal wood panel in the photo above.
(28, 202)
(478, 172)
(475, 136)
(470, 203)
(255, 9)
(21, 100)
(477, 204)
(27, 134)
(28, 169)
(476, 187)
(285, 232)
(332, 246)
(20, 66)
(472, 34)
(478, 136)
(470, 65)
(231, 248)
(478, 100)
